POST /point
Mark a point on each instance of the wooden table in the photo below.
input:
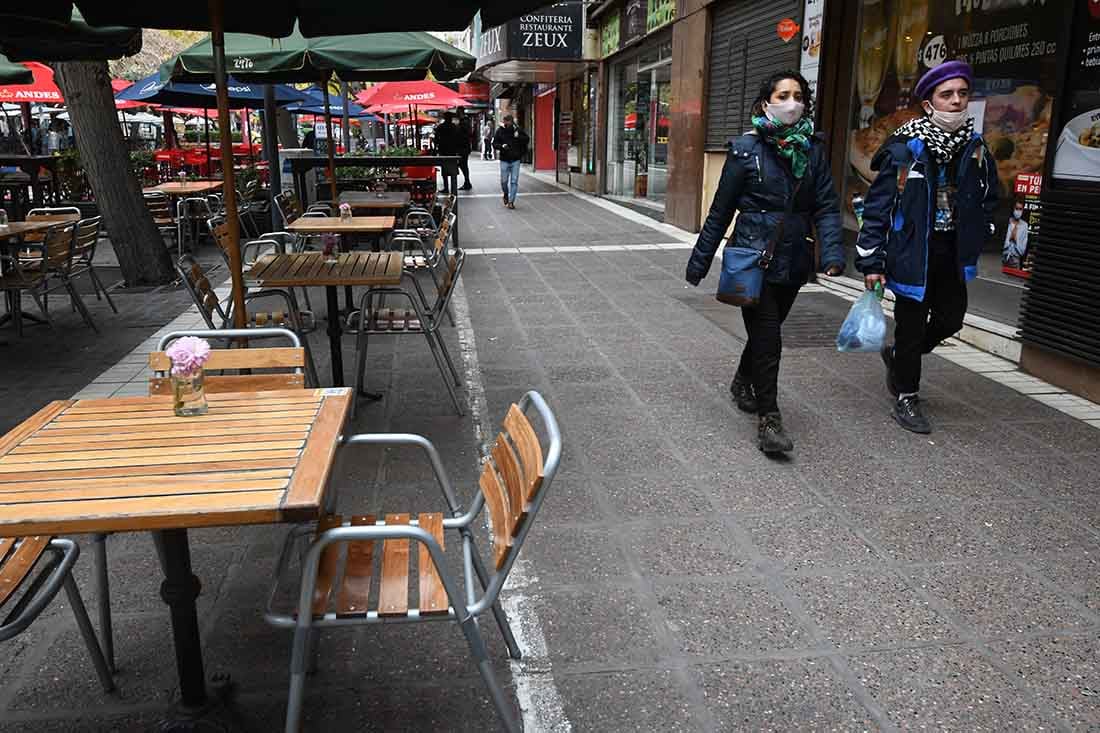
(310, 269)
(336, 225)
(129, 464)
(186, 188)
(367, 201)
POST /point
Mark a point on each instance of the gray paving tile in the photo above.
(947, 688)
(1060, 671)
(628, 701)
(781, 695)
(810, 539)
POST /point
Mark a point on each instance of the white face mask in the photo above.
(785, 113)
(950, 121)
(1017, 214)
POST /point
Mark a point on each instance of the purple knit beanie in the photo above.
(944, 72)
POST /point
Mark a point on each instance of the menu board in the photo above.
(1078, 154)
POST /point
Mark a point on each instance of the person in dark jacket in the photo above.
(464, 145)
(510, 142)
(763, 169)
(926, 218)
(447, 142)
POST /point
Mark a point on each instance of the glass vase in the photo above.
(189, 394)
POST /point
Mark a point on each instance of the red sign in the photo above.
(787, 29)
(1094, 8)
(1029, 184)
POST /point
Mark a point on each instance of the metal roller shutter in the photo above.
(745, 48)
(1061, 312)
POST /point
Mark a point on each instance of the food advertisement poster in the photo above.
(1021, 226)
(813, 18)
(1078, 154)
(1012, 46)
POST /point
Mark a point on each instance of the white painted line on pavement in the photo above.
(539, 700)
(520, 196)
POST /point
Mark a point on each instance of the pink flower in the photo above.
(345, 209)
(188, 355)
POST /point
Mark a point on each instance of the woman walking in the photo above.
(778, 166)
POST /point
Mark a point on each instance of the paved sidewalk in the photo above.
(678, 580)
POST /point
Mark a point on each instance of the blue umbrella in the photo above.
(178, 94)
(313, 102)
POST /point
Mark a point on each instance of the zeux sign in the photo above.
(553, 34)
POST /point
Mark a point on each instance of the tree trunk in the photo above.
(140, 249)
(288, 133)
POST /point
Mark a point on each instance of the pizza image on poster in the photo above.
(1078, 155)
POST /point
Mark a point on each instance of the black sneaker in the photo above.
(743, 394)
(505, 199)
(772, 437)
(908, 413)
(466, 186)
(887, 354)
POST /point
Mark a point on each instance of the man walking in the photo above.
(465, 137)
(447, 143)
(487, 140)
(510, 143)
(925, 221)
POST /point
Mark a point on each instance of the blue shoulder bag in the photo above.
(743, 268)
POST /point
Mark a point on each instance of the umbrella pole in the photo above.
(248, 135)
(331, 142)
(345, 122)
(271, 142)
(232, 221)
(206, 125)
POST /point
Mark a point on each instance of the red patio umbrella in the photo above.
(42, 90)
(405, 94)
(419, 120)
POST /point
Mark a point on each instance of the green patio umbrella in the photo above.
(361, 57)
(11, 73)
(74, 40)
(392, 56)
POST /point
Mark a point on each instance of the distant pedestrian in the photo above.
(447, 143)
(487, 140)
(926, 220)
(465, 144)
(780, 158)
(309, 140)
(510, 143)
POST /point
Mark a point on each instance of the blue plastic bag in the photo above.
(864, 330)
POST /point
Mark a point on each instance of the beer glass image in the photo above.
(911, 17)
(874, 55)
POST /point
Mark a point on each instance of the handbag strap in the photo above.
(773, 242)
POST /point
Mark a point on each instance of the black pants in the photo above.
(921, 326)
(464, 166)
(760, 359)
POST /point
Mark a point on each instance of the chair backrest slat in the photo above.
(87, 234)
(283, 357)
(202, 292)
(510, 472)
(527, 444)
(499, 514)
(235, 383)
(59, 245)
(19, 564)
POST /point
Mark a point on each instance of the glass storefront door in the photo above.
(639, 129)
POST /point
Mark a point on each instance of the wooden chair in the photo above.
(85, 239)
(292, 358)
(355, 570)
(374, 318)
(160, 208)
(25, 593)
(251, 251)
(218, 315)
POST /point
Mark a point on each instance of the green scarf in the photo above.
(791, 141)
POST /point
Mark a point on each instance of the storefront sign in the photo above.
(659, 13)
(1078, 157)
(787, 29)
(609, 35)
(552, 34)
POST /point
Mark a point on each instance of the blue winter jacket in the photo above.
(898, 213)
(757, 183)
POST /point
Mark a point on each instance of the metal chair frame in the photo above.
(189, 211)
(36, 272)
(429, 322)
(40, 592)
(482, 590)
(85, 239)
